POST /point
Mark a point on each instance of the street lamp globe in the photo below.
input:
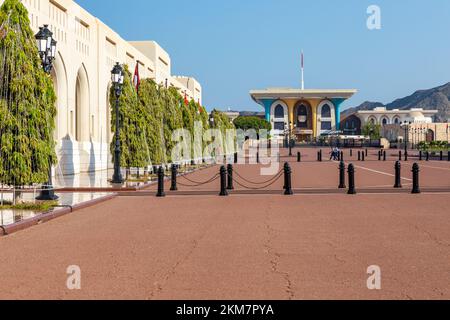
(52, 52)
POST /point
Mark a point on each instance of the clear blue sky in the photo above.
(233, 46)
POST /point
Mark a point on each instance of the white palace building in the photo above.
(87, 51)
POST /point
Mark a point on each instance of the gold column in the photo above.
(314, 104)
(291, 106)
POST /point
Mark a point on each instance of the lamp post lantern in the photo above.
(47, 51)
(117, 80)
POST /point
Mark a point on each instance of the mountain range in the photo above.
(432, 99)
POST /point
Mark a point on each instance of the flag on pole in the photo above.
(186, 102)
(136, 78)
(303, 60)
(200, 108)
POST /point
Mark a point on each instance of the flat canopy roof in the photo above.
(288, 93)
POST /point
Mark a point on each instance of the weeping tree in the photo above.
(27, 103)
(153, 115)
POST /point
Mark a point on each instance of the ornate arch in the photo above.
(82, 106)
(277, 121)
(326, 121)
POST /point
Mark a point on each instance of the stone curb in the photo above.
(45, 217)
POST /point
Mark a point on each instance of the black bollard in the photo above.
(351, 179)
(299, 157)
(406, 156)
(285, 168)
(441, 156)
(367, 152)
(398, 173)
(448, 156)
(363, 157)
(161, 193)
(235, 158)
(223, 182)
(288, 178)
(415, 171)
(173, 186)
(351, 152)
(320, 154)
(257, 157)
(230, 177)
(428, 156)
(384, 156)
(359, 155)
(420, 155)
(342, 175)
(379, 155)
(342, 156)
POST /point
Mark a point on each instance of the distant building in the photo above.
(308, 114)
(421, 125)
(384, 117)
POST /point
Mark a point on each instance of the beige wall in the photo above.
(87, 51)
(418, 132)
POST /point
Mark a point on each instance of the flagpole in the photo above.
(303, 72)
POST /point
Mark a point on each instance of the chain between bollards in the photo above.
(342, 175)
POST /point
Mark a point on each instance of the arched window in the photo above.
(397, 121)
(326, 111)
(385, 121)
(279, 112)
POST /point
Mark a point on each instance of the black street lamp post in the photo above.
(117, 80)
(406, 126)
(47, 51)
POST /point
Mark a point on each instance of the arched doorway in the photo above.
(352, 125)
(303, 115)
(430, 135)
(82, 109)
(303, 121)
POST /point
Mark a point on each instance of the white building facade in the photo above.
(382, 116)
(87, 51)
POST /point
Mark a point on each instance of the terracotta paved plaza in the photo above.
(262, 246)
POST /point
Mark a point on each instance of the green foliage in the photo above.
(148, 119)
(246, 123)
(27, 102)
(372, 130)
(433, 146)
(28, 206)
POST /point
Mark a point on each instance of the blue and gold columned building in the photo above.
(308, 113)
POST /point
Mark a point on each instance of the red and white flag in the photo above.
(136, 78)
(200, 108)
(186, 102)
(303, 61)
